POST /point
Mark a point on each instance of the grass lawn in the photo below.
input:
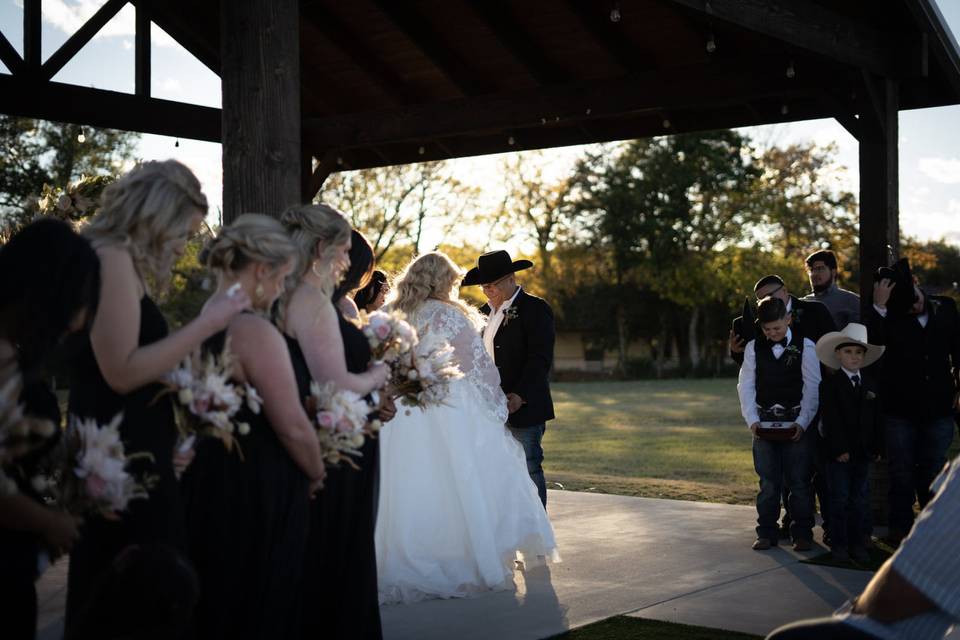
(681, 439)
(624, 628)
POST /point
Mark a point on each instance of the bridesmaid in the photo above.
(247, 510)
(340, 584)
(50, 279)
(371, 297)
(142, 227)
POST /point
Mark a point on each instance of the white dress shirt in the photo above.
(494, 321)
(810, 368)
(923, 318)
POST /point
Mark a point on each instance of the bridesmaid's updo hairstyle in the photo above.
(432, 275)
(316, 229)
(147, 210)
(251, 238)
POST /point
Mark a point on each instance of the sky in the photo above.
(929, 138)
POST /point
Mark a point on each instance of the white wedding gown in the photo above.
(457, 506)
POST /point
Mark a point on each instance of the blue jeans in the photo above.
(790, 464)
(917, 451)
(849, 502)
(530, 438)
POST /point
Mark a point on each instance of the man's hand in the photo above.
(881, 292)
(737, 344)
(753, 429)
(514, 402)
(843, 457)
(798, 433)
(387, 409)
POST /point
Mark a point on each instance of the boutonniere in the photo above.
(870, 395)
(510, 314)
(796, 314)
(791, 353)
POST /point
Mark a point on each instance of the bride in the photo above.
(457, 506)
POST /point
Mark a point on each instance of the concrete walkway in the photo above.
(686, 562)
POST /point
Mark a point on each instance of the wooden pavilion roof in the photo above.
(396, 81)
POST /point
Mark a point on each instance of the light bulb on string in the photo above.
(666, 123)
(791, 71)
(784, 109)
(615, 13)
(711, 44)
(510, 141)
(81, 138)
(177, 143)
(421, 150)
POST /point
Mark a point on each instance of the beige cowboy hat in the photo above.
(853, 333)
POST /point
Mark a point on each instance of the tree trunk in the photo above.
(621, 339)
(693, 339)
(662, 344)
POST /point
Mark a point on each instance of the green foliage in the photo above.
(190, 285)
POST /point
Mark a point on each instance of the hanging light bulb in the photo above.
(177, 143)
(339, 160)
(615, 12)
(791, 72)
(784, 109)
(666, 123)
(510, 141)
(711, 44)
(421, 150)
(81, 138)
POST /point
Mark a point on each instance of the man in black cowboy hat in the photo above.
(918, 380)
(519, 336)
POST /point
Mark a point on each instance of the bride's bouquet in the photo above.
(389, 334)
(93, 472)
(341, 418)
(19, 433)
(422, 376)
(206, 399)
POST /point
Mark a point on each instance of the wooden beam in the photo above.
(142, 53)
(595, 17)
(454, 66)
(318, 174)
(108, 109)
(31, 36)
(808, 26)
(879, 193)
(496, 15)
(678, 88)
(323, 23)
(260, 79)
(9, 56)
(941, 39)
(83, 35)
(201, 40)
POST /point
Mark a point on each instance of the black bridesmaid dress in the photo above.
(340, 585)
(148, 426)
(20, 550)
(246, 520)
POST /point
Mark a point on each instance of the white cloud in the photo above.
(70, 16)
(944, 170)
(127, 45)
(171, 85)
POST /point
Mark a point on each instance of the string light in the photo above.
(339, 160)
(791, 72)
(615, 12)
(510, 141)
(666, 123)
(784, 109)
(81, 138)
(421, 150)
(711, 44)
(177, 143)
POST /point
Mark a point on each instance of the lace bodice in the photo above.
(478, 368)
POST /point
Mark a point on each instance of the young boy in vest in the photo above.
(852, 428)
(778, 388)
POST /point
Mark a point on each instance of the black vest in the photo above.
(779, 381)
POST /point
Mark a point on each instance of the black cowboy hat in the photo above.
(492, 266)
(903, 295)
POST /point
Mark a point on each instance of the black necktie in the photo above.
(856, 382)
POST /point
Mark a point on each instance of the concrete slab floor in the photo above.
(679, 561)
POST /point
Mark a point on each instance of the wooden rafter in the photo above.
(9, 56)
(805, 25)
(142, 53)
(83, 35)
(201, 41)
(456, 69)
(321, 22)
(110, 109)
(595, 18)
(684, 87)
(31, 35)
(496, 16)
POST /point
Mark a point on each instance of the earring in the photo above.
(258, 292)
(316, 272)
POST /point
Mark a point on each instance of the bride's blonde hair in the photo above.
(432, 275)
(145, 212)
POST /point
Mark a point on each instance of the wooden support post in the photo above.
(260, 79)
(31, 36)
(879, 185)
(142, 53)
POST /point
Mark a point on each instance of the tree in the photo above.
(39, 152)
(390, 205)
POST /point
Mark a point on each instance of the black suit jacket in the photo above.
(918, 369)
(523, 353)
(851, 420)
(810, 317)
